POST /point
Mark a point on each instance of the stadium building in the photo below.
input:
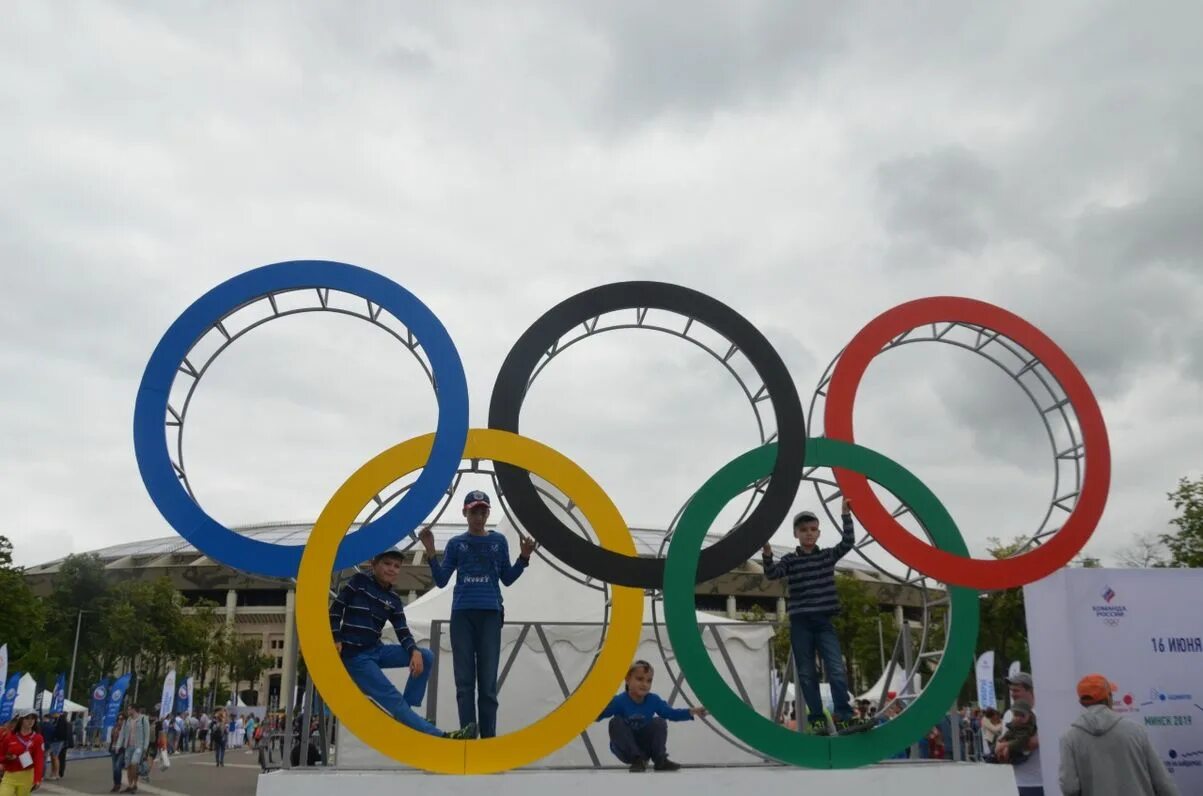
(261, 608)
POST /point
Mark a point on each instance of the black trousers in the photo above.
(648, 742)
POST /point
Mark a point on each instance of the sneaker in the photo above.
(666, 765)
(852, 726)
(464, 733)
(639, 766)
(819, 727)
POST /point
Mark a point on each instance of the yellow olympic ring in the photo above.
(381, 731)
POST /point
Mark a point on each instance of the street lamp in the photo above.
(74, 652)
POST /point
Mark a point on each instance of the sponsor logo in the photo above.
(1109, 613)
(1125, 704)
(183, 692)
(1184, 759)
(10, 693)
(117, 694)
(98, 694)
(1158, 695)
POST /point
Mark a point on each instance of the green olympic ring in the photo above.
(740, 719)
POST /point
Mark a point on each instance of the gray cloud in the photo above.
(811, 167)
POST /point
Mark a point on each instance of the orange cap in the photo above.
(1094, 689)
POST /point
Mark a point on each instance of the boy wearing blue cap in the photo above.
(482, 559)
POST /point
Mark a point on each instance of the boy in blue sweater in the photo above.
(638, 730)
(357, 617)
(812, 602)
(482, 558)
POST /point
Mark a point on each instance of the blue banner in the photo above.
(59, 700)
(183, 695)
(10, 696)
(116, 695)
(100, 693)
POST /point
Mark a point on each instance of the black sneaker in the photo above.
(639, 766)
(464, 733)
(666, 765)
(819, 727)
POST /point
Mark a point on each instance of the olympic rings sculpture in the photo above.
(613, 559)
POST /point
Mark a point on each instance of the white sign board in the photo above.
(1143, 630)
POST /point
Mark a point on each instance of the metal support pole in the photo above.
(306, 717)
(290, 693)
(432, 685)
(79, 620)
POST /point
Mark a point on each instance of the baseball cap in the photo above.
(1094, 689)
(475, 498)
(804, 516)
(1021, 706)
(27, 713)
(1021, 678)
(392, 552)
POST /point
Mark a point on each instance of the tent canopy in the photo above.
(26, 691)
(572, 616)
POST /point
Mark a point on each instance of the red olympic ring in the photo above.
(946, 567)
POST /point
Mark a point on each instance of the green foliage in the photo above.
(22, 617)
(856, 628)
(1186, 545)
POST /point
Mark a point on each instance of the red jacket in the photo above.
(14, 745)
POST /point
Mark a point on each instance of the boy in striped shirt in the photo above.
(812, 602)
(357, 617)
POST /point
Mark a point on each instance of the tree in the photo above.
(1186, 546)
(856, 628)
(1146, 550)
(78, 596)
(1003, 622)
(21, 620)
(243, 659)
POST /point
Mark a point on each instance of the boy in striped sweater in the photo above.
(357, 617)
(812, 602)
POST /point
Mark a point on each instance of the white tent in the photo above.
(26, 691)
(531, 690)
(897, 685)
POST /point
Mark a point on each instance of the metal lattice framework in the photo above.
(253, 314)
(1037, 384)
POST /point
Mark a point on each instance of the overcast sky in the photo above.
(811, 165)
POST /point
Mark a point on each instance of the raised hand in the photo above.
(699, 712)
(426, 537)
(846, 507)
(526, 546)
(767, 550)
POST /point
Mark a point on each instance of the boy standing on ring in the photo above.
(357, 617)
(812, 602)
(482, 558)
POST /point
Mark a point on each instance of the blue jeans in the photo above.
(366, 669)
(219, 752)
(118, 766)
(475, 650)
(810, 633)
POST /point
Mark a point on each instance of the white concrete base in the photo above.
(897, 779)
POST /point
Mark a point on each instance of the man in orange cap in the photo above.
(1103, 755)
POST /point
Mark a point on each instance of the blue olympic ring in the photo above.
(282, 561)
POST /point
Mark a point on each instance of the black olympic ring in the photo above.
(582, 555)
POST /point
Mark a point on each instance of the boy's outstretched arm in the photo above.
(662, 709)
(441, 569)
(772, 570)
(847, 533)
(507, 573)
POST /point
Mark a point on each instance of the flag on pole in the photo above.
(986, 698)
(116, 696)
(168, 699)
(10, 697)
(100, 692)
(59, 700)
(183, 696)
(4, 663)
(1014, 670)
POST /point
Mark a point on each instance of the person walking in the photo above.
(1028, 778)
(24, 757)
(117, 753)
(134, 738)
(1104, 755)
(217, 738)
(64, 740)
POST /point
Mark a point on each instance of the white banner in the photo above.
(985, 681)
(1140, 628)
(3, 666)
(1014, 670)
(168, 695)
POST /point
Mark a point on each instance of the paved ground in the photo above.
(189, 775)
